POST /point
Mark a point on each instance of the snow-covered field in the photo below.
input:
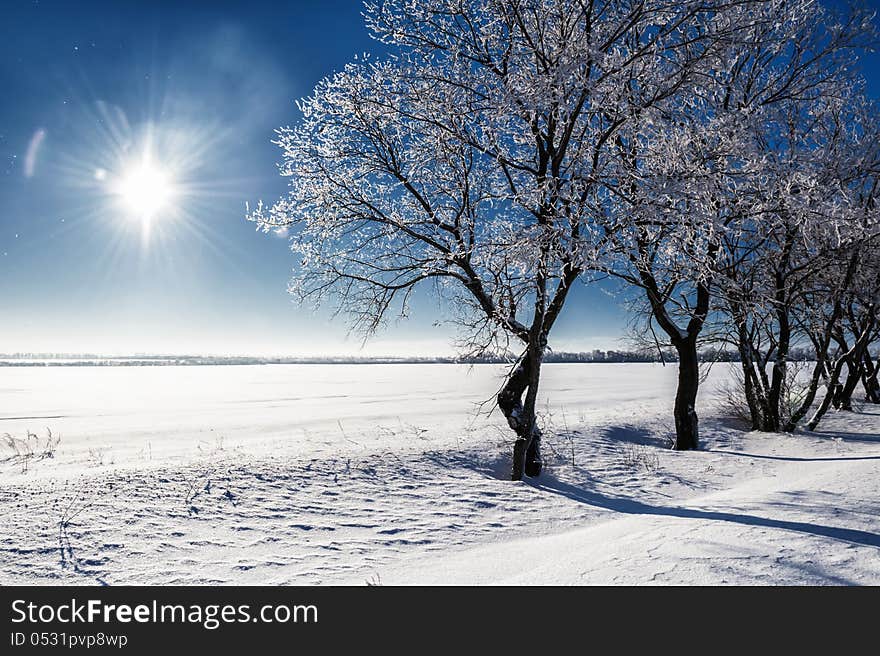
(292, 474)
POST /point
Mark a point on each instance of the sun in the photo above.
(145, 190)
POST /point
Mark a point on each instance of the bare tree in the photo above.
(789, 268)
(475, 158)
(687, 199)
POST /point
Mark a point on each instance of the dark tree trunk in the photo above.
(839, 399)
(751, 394)
(755, 383)
(843, 397)
(533, 462)
(521, 415)
(831, 387)
(854, 357)
(748, 370)
(764, 411)
(780, 362)
(510, 403)
(869, 378)
(821, 344)
(687, 433)
(809, 397)
(768, 412)
(832, 383)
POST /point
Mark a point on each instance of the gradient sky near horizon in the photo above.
(84, 86)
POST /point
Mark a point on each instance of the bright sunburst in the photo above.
(145, 190)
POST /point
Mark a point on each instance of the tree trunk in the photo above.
(521, 417)
(854, 360)
(533, 463)
(766, 412)
(843, 391)
(687, 434)
(843, 398)
(763, 415)
(751, 394)
(869, 378)
(780, 369)
(747, 364)
(831, 387)
(832, 384)
(809, 397)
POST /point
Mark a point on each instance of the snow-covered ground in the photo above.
(292, 474)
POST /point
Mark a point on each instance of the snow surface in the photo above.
(292, 474)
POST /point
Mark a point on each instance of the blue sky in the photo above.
(84, 86)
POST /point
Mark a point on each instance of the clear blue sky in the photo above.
(83, 86)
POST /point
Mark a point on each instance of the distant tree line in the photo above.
(596, 355)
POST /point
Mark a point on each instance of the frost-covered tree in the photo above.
(690, 195)
(789, 265)
(840, 317)
(475, 158)
(859, 324)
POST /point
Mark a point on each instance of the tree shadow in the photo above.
(733, 423)
(493, 465)
(742, 454)
(633, 507)
(848, 436)
(630, 434)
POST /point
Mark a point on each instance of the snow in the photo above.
(809, 522)
(311, 474)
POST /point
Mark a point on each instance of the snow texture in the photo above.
(319, 474)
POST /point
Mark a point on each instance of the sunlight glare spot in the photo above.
(145, 191)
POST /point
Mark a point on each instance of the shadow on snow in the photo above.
(633, 507)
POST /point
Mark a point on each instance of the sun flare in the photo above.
(145, 190)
